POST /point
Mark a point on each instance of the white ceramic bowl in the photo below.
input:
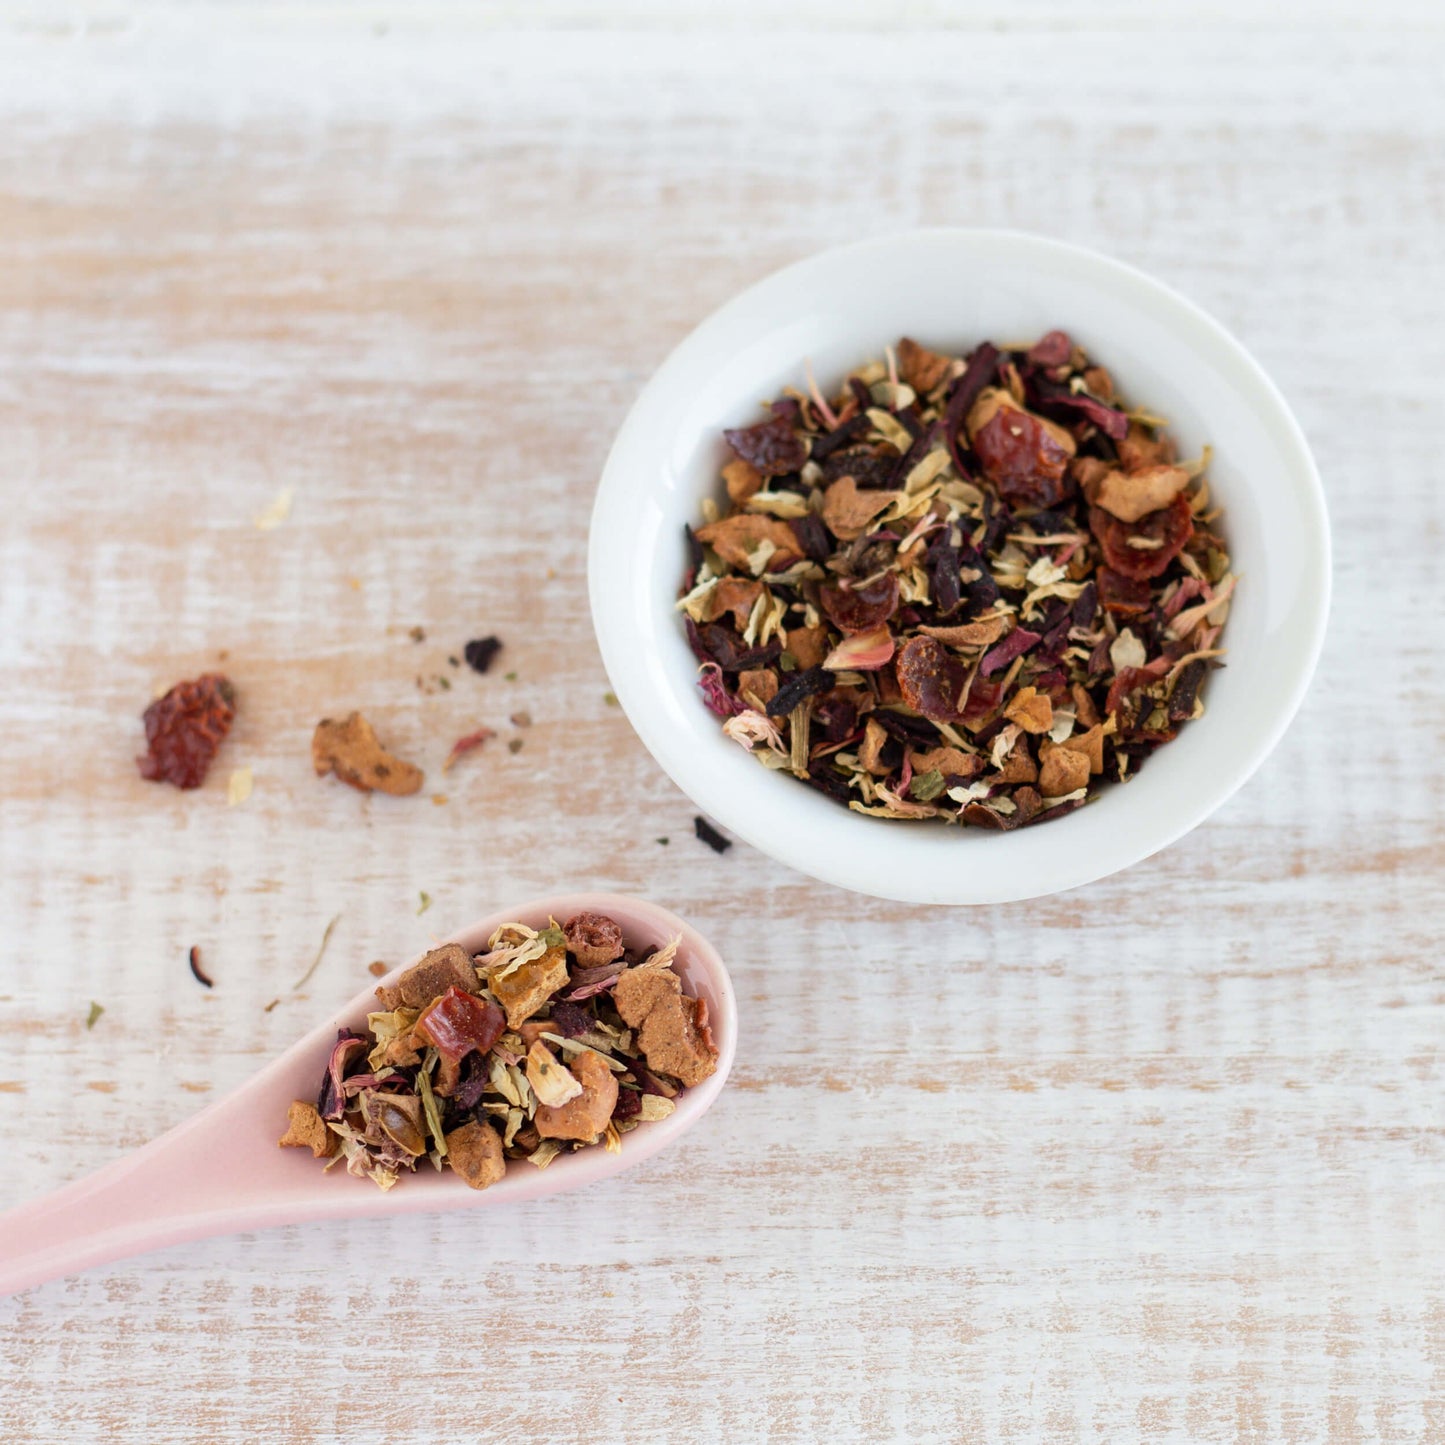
(952, 289)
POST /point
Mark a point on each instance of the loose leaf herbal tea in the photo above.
(549, 1041)
(969, 588)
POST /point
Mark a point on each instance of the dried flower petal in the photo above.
(861, 652)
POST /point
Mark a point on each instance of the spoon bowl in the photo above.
(222, 1171)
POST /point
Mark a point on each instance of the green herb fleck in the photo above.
(424, 904)
(927, 786)
(787, 662)
(510, 676)
(553, 937)
(610, 698)
(445, 683)
(515, 745)
(95, 1012)
(663, 841)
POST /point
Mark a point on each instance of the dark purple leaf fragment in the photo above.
(976, 375)
(823, 776)
(628, 1105)
(331, 1098)
(481, 652)
(1186, 690)
(812, 537)
(723, 646)
(946, 588)
(855, 426)
(869, 471)
(772, 447)
(474, 1081)
(834, 718)
(694, 551)
(710, 835)
(571, 1019)
(1016, 644)
(924, 440)
(1086, 604)
(917, 731)
(799, 687)
(1049, 398)
(1052, 349)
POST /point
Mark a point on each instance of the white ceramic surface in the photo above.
(951, 289)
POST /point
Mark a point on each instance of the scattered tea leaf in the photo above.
(417, 634)
(424, 904)
(377, 969)
(610, 698)
(197, 972)
(481, 652)
(710, 835)
(95, 1012)
(464, 745)
(515, 745)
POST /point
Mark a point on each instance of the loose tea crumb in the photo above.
(417, 634)
(481, 652)
(95, 1012)
(515, 745)
(377, 969)
(968, 588)
(464, 745)
(610, 699)
(185, 729)
(548, 1042)
(710, 835)
(424, 903)
(351, 750)
(197, 972)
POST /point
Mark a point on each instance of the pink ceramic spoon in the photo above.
(222, 1171)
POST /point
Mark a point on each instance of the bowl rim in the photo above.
(618, 485)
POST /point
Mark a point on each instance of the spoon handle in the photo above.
(217, 1172)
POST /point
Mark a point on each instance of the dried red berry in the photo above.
(1170, 526)
(932, 679)
(459, 1022)
(1022, 459)
(1123, 596)
(185, 729)
(860, 609)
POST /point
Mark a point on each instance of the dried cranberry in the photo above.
(185, 729)
(1123, 596)
(860, 609)
(1022, 459)
(1171, 526)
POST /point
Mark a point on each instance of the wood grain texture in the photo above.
(1162, 1159)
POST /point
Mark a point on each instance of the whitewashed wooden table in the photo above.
(1163, 1159)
